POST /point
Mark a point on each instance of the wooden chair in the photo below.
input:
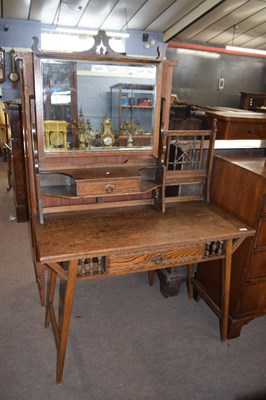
(187, 168)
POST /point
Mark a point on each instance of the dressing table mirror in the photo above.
(96, 102)
(94, 119)
(94, 106)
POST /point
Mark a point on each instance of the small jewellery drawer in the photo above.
(103, 187)
(162, 258)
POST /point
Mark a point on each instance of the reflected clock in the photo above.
(107, 136)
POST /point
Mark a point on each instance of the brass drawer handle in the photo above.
(109, 188)
(251, 131)
(158, 258)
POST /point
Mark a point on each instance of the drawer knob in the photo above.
(158, 258)
(251, 131)
(109, 188)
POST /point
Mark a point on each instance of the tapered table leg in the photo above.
(151, 276)
(40, 278)
(189, 279)
(226, 289)
(50, 296)
(65, 318)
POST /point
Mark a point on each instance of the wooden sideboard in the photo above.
(239, 187)
(238, 124)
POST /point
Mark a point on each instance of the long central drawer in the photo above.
(162, 258)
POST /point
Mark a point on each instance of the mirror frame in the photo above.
(93, 55)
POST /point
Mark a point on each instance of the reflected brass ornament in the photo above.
(55, 135)
(86, 136)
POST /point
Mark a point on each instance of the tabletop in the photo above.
(67, 236)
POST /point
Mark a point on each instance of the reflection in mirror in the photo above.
(96, 105)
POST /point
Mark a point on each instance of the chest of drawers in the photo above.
(239, 186)
(239, 125)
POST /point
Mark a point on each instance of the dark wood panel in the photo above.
(18, 174)
(261, 234)
(239, 187)
(258, 265)
(253, 298)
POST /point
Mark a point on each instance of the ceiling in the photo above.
(213, 22)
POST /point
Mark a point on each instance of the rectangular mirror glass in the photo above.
(91, 106)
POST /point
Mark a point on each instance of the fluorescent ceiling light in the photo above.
(198, 53)
(76, 31)
(64, 41)
(91, 33)
(245, 50)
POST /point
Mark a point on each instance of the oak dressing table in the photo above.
(96, 206)
(130, 241)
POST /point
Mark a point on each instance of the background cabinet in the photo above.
(17, 172)
(239, 186)
(132, 112)
(238, 125)
(60, 101)
(252, 101)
